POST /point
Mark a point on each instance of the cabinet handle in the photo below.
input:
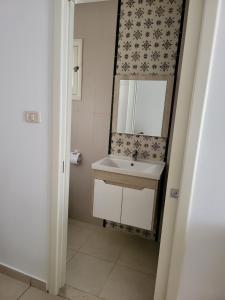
(124, 185)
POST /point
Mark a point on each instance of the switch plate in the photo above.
(32, 116)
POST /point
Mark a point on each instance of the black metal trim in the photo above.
(175, 77)
(114, 71)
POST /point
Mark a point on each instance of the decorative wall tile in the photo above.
(147, 234)
(149, 148)
(148, 36)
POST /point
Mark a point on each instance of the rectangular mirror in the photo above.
(142, 105)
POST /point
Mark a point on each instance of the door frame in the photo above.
(174, 247)
(63, 29)
(183, 95)
(61, 135)
(203, 74)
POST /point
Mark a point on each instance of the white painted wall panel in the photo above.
(25, 84)
(203, 269)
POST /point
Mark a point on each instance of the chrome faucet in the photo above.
(134, 155)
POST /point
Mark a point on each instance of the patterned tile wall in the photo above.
(149, 148)
(146, 234)
(148, 38)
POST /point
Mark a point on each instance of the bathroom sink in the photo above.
(151, 169)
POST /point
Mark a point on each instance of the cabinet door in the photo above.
(107, 201)
(137, 207)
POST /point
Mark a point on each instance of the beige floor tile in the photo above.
(87, 273)
(105, 244)
(35, 294)
(78, 234)
(70, 254)
(74, 294)
(11, 289)
(127, 284)
(2, 268)
(141, 255)
(84, 225)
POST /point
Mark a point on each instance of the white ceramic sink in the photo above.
(152, 169)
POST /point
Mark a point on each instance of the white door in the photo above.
(184, 95)
(107, 201)
(137, 207)
(61, 126)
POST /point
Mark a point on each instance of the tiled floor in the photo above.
(101, 264)
(12, 289)
(110, 265)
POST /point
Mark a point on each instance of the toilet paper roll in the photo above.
(75, 158)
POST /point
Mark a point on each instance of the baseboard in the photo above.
(31, 281)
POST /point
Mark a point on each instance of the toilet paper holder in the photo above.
(75, 157)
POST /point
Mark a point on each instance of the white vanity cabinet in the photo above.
(107, 201)
(137, 207)
(125, 199)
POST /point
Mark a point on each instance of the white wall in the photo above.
(25, 84)
(203, 270)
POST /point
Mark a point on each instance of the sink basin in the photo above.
(151, 169)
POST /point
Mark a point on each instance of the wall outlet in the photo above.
(32, 116)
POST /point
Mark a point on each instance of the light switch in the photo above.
(32, 116)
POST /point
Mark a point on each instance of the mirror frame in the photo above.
(168, 98)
